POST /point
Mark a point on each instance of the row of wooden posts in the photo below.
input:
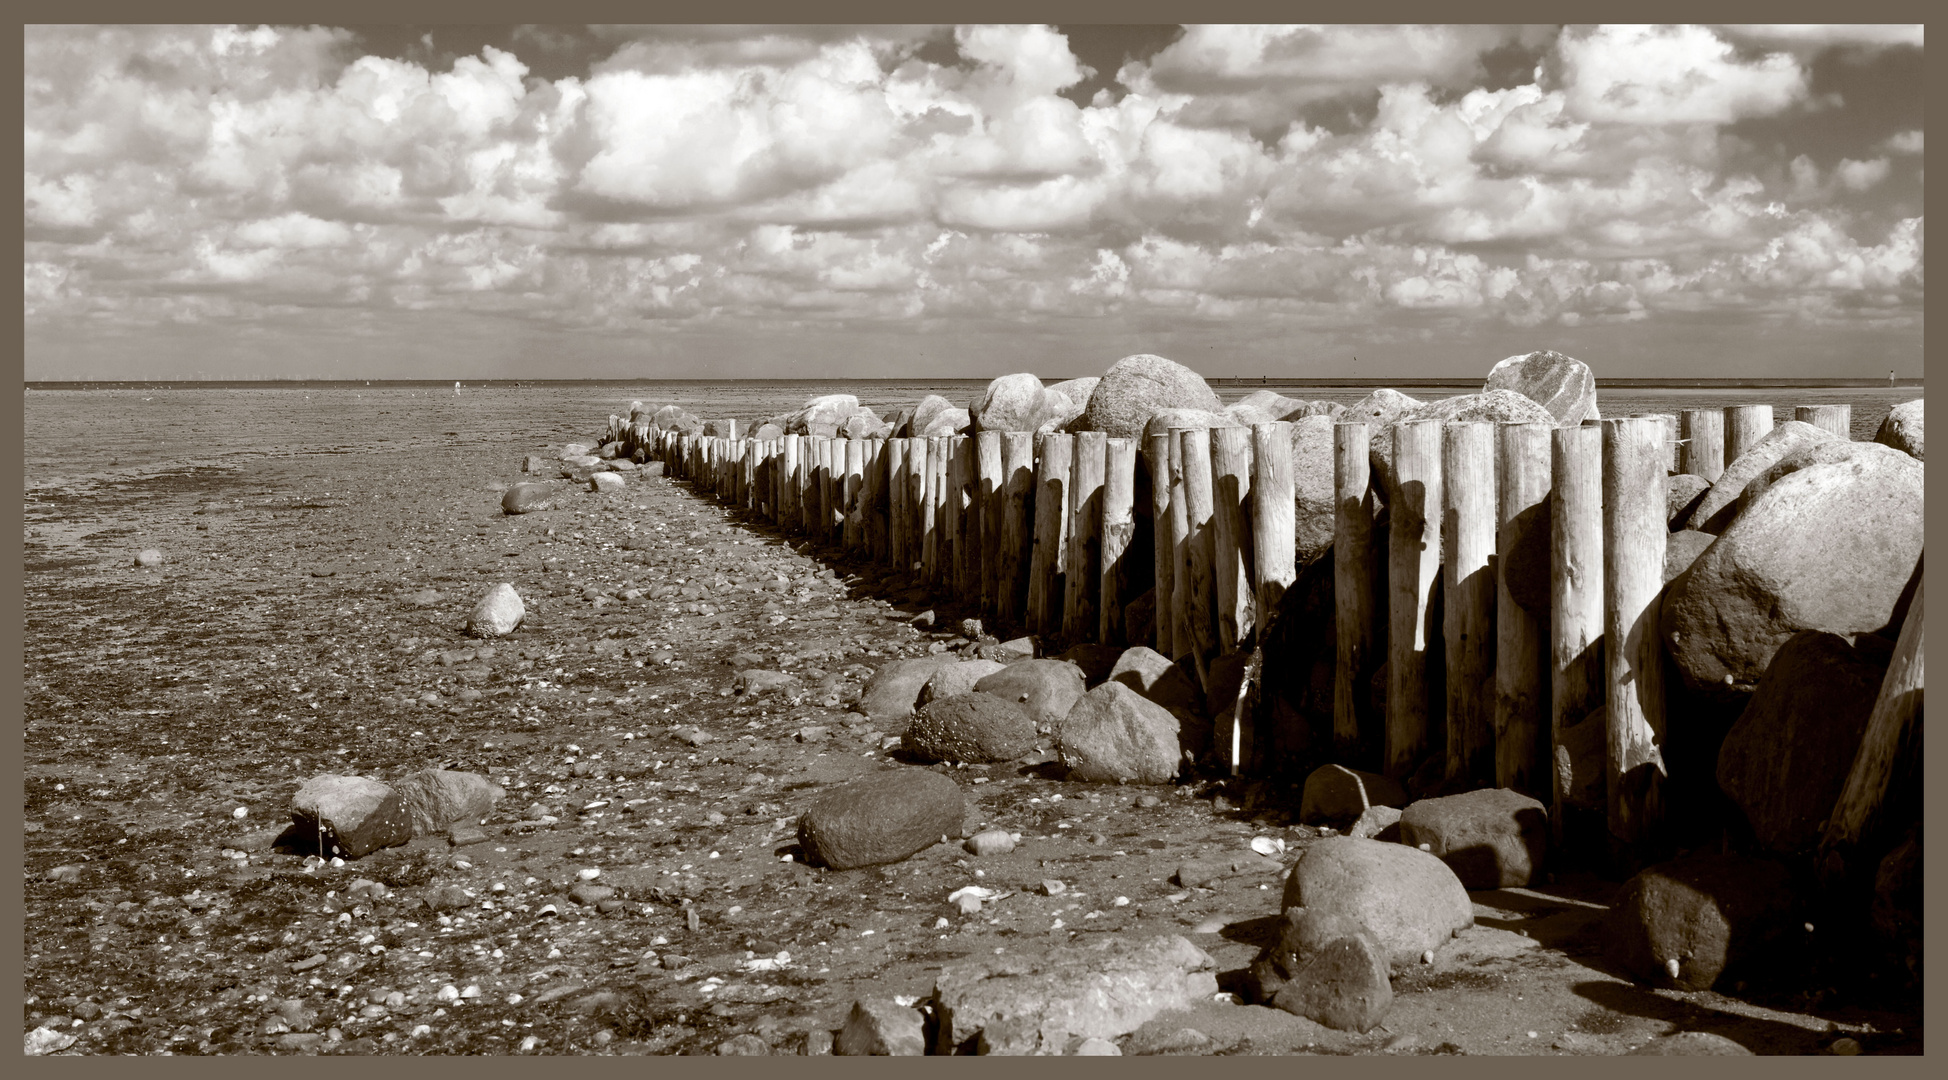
(1035, 531)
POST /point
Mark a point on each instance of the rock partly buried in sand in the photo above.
(1710, 913)
(1135, 388)
(881, 818)
(1335, 794)
(607, 481)
(974, 728)
(1692, 1044)
(1494, 838)
(148, 557)
(1721, 504)
(349, 815)
(1038, 1002)
(498, 613)
(1344, 985)
(879, 1028)
(1830, 547)
(1563, 385)
(1113, 734)
(1045, 689)
(1410, 901)
(438, 798)
(893, 691)
(1783, 763)
(529, 497)
(1902, 429)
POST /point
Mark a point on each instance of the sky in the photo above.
(367, 202)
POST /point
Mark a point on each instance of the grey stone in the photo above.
(1785, 760)
(1682, 549)
(1206, 871)
(914, 421)
(1343, 985)
(1115, 734)
(1312, 487)
(1682, 494)
(1710, 912)
(1163, 420)
(148, 557)
(1494, 406)
(948, 422)
(1015, 402)
(1721, 504)
(1335, 794)
(1830, 547)
(1691, 1044)
(1036, 1002)
(1564, 386)
(881, 818)
(1821, 453)
(350, 815)
(827, 411)
(1493, 838)
(1580, 761)
(878, 1028)
(1262, 407)
(746, 1045)
(1078, 391)
(974, 728)
(768, 432)
(1093, 660)
(607, 481)
(438, 798)
(529, 497)
(1047, 688)
(1376, 823)
(1409, 900)
(756, 682)
(1135, 387)
(1902, 429)
(894, 689)
(498, 612)
(953, 680)
(1057, 410)
(1153, 675)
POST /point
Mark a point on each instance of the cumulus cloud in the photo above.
(843, 176)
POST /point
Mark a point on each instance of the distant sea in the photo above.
(78, 432)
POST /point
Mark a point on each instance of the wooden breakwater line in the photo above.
(1037, 531)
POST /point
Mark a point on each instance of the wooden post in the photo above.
(1837, 419)
(1182, 645)
(1890, 746)
(1745, 425)
(1413, 564)
(747, 478)
(1017, 524)
(991, 496)
(1274, 522)
(1157, 455)
(855, 484)
(930, 511)
(897, 509)
(1048, 559)
(1118, 527)
(828, 489)
(1081, 615)
(919, 520)
(1576, 672)
(1231, 540)
(1634, 535)
(1522, 746)
(1703, 452)
(941, 448)
(1470, 611)
(958, 452)
(1352, 574)
(1200, 596)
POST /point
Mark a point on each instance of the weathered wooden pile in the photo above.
(1502, 567)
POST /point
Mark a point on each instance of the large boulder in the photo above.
(349, 816)
(1381, 409)
(1409, 900)
(890, 695)
(1058, 410)
(1162, 420)
(947, 422)
(907, 423)
(1830, 547)
(1710, 913)
(1045, 689)
(1262, 407)
(1115, 735)
(1902, 428)
(1682, 549)
(1492, 838)
(1077, 391)
(1682, 494)
(822, 414)
(1721, 504)
(865, 424)
(1135, 387)
(1494, 406)
(1156, 677)
(768, 432)
(1039, 1001)
(1786, 758)
(1011, 403)
(953, 680)
(877, 1027)
(1564, 386)
(1818, 453)
(438, 798)
(881, 818)
(1331, 410)
(973, 728)
(1312, 486)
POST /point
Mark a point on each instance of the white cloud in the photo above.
(1815, 36)
(1671, 75)
(1904, 142)
(1860, 175)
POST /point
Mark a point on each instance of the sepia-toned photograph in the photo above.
(1059, 540)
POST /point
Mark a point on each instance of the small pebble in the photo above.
(990, 842)
(240, 813)
(589, 874)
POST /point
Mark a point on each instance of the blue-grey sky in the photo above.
(833, 201)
